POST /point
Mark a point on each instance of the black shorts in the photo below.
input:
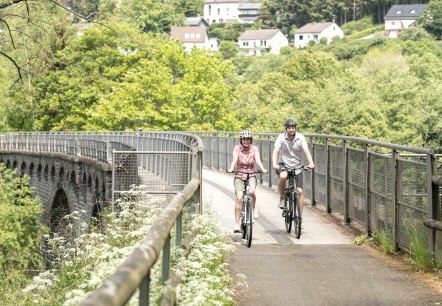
(299, 179)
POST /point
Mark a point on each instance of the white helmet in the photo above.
(245, 134)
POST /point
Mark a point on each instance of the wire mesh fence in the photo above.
(382, 186)
(159, 172)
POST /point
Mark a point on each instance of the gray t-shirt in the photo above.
(290, 151)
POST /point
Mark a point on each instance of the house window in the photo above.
(186, 35)
(301, 37)
(245, 44)
(263, 43)
(192, 35)
(315, 37)
(198, 35)
(227, 11)
(219, 11)
(210, 10)
(392, 23)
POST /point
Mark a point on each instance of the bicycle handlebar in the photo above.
(239, 171)
(305, 168)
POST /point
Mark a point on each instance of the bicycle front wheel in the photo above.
(249, 223)
(297, 220)
(288, 215)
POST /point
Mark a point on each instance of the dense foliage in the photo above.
(20, 231)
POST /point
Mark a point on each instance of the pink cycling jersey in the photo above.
(246, 161)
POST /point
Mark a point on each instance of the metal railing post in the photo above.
(432, 200)
(144, 291)
(166, 260)
(312, 148)
(179, 229)
(394, 175)
(345, 181)
(367, 188)
(327, 176)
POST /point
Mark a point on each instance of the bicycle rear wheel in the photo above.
(297, 220)
(249, 223)
(288, 215)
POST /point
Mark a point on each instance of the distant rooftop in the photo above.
(314, 27)
(258, 34)
(405, 11)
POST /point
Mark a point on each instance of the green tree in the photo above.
(431, 20)
(20, 229)
(311, 66)
(228, 49)
(150, 15)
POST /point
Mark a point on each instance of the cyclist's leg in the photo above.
(281, 186)
(239, 192)
(252, 183)
(299, 188)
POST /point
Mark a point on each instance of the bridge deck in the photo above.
(321, 268)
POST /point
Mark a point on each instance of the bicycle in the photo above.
(246, 217)
(292, 211)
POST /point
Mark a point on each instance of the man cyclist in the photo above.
(287, 153)
(245, 155)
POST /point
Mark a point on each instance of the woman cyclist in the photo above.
(245, 155)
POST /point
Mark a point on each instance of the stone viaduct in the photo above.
(73, 172)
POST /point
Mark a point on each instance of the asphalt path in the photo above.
(320, 268)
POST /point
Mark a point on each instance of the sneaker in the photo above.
(236, 228)
(255, 213)
(281, 204)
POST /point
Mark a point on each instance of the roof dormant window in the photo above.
(412, 12)
(398, 12)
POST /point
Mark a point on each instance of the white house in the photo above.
(402, 16)
(258, 42)
(248, 12)
(315, 31)
(194, 37)
(230, 11)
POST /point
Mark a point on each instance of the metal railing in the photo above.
(381, 186)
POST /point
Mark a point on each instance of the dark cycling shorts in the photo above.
(299, 179)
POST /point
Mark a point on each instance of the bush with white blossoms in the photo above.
(205, 275)
(81, 264)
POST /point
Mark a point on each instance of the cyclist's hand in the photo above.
(276, 167)
(230, 170)
(311, 165)
(265, 171)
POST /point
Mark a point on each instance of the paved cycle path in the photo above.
(321, 268)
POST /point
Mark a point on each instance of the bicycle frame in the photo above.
(246, 217)
(292, 210)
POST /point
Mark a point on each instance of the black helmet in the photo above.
(245, 134)
(290, 122)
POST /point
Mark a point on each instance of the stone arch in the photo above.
(31, 169)
(72, 178)
(61, 175)
(22, 169)
(14, 165)
(46, 172)
(39, 168)
(53, 171)
(59, 209)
